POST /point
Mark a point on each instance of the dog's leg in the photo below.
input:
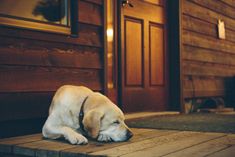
(68, 133)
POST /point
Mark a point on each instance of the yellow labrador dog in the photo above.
(77, 110)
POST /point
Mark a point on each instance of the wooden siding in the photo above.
(34, 64)
(207, 60)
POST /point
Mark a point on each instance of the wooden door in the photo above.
(143, 56)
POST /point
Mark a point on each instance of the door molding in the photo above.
(175, 66)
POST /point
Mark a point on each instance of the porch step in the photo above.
(145, 142)
(36, 146)
(137, 115)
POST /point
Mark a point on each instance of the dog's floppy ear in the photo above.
(92, 122)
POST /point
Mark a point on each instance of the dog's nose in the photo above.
(129, 134)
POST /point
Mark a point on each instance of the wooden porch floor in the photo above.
(145, 143)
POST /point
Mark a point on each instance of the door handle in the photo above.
(127, 3)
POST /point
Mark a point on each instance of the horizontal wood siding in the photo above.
(34, 64)
(207, 60)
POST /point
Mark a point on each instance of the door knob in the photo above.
(127, 2)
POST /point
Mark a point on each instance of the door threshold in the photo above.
(137, 115)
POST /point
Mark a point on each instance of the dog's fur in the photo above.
(103, 120)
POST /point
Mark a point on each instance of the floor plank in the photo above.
(21, 139)
(139, 147)
(228, 152)
(7, 144)
(93, 147)
(42, 148)
(205, 148)
(160, 149)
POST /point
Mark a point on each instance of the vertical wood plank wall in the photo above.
(34, 64)
(206, 60)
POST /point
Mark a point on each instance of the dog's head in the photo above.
(106, 123)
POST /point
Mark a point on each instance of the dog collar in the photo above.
(81, 115)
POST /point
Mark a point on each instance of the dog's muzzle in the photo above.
(129, 134)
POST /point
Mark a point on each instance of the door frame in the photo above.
(173, 24)
(175, 57)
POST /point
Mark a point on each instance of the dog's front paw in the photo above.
(104, 138)
(77, 139)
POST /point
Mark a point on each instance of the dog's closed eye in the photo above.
(116, 122)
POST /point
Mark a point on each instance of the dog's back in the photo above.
(68, 96)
